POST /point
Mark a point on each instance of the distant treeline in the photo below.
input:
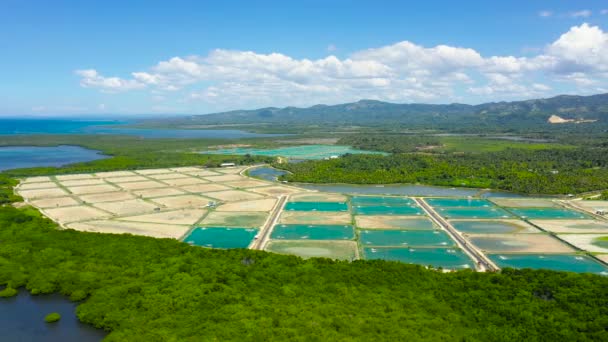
(545, 171)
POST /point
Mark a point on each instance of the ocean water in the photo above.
(103, 127)
(16, 157)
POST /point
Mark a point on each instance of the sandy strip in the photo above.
(158, 192)
(231, 170)
(37, 179)
(275, 190)
(73, 214)
(55, 202)
(126, 179)
(164, 176)
(572, 226)
(93, 189)
(185, 169)
(232, 195)
(135, 228)
(33, 186)
(265, 204)
(72, 177)
(42, 193)
(391, 222)
(128, 207)
(524, 202)
(519, 243)
(587, 242)
(205, 187)
(81, 182)
(115, 174)
(203, 173)
(247, 184)
(183, 216)
(240, 219)
(317, 197)
(141, 185)
(225, 178)
(107, 197)
(184, 181)
(186, 201)
(152, 171)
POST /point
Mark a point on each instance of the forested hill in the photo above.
(369, 112)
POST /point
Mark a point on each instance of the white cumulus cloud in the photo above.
(401, 72)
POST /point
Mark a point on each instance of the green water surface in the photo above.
(556, 262)
(382, 201)
(548, 213)
(480, 212)
(312, 232)
(405, 238)
(387, 210)
(447, 258)
(458, 202)
(316, 206)
(296, 152)
(487, 227)
(221, 237)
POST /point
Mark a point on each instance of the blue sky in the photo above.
(168, 57)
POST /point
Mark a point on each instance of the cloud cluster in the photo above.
(403, 72)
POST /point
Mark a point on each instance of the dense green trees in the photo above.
(550, 171)
(145, 289)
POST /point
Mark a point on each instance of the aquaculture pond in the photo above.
(386, 210)
(22, 319)
(447, 258)
(16, 157)
(312, 232)
(557, 262)
(477, 213)
(381, 201)
(307, 152)
(405, 238)
(316, 206)
(492, 227)
(458, 202)
(221, 237)
(548, 213)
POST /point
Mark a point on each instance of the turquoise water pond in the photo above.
(556, 262)
(386, 210)
(479, 212)
(458, 202)
(221, 237)
(312, 232)
(548, 213)
(316, 206)
(405, 238)
(296, 152)
(378, 201)
(447, 258)
(486, 227)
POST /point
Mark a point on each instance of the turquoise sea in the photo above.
(73, 126)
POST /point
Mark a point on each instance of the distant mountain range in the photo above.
(573, 109)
